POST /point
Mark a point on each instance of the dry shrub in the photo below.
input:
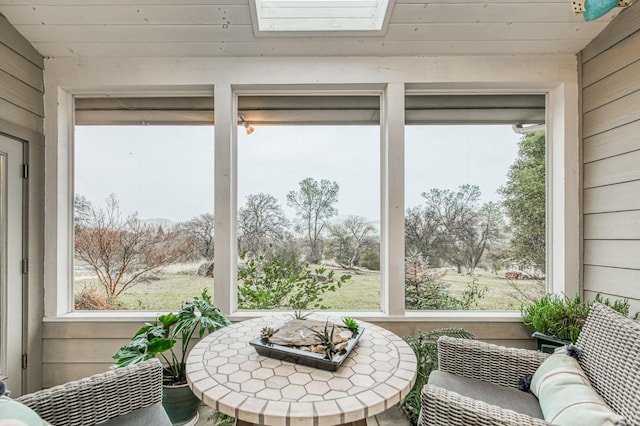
(91, 299)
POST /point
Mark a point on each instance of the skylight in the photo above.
(321, 15)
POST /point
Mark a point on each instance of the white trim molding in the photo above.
(555, 76)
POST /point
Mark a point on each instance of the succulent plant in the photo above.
(351, 324)
(325, 338)
(266, 332)
(299, 314)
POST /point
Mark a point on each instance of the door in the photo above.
(11, 265)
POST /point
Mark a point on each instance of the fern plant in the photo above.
(562, 317)
(425, 346)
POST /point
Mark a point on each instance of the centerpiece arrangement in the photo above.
(320, 344)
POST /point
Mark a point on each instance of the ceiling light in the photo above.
(249, 129)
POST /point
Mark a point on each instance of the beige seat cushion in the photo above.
(509, 398)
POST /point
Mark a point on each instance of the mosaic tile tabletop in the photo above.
(227, 374)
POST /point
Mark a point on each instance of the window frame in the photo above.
(563, 218)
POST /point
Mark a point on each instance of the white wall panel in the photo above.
(613, 142)
(611, 155)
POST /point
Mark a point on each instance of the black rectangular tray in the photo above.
(311, 359)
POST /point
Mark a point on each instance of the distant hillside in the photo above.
(159, 221)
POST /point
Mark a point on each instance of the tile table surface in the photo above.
(227, 374)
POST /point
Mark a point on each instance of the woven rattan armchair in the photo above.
(610, 357)
(130, 396)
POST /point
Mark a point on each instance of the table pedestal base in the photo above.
(362, 422)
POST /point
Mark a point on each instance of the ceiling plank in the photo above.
(244, 33)
(485, 12)
(128, 15)
(296, 48)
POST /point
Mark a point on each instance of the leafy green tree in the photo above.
(265, 282)
(371, 257)
(314, 205)
(524, 201)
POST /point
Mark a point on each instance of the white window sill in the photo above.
(410, 316)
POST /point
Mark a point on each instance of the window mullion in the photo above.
(392, 229)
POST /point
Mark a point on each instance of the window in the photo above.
(143, 202)
(242, 164)
(309, 202)
(475, 202)
(320, 15)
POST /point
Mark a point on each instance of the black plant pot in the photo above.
(180, 404)
(548, 344)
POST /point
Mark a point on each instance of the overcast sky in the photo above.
(167, 171)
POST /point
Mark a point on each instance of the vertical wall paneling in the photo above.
(21, 116)
(610, 67)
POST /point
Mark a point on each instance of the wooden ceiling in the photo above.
(223, 28)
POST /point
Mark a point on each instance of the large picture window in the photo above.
(143, 208)
(309, 203)
(310, 219)
(475, 193)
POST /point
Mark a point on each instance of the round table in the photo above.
(227, 374)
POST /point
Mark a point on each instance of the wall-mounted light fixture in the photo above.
(594, 9)
(249, 129)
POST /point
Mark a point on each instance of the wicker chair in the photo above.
(129, 396)
(610, 357)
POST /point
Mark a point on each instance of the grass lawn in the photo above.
(499, 295)
(360, 293)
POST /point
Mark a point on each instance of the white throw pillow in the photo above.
(566, 396)
(13, 413)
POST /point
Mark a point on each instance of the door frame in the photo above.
(19, 383)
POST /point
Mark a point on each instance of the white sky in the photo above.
(167, 171)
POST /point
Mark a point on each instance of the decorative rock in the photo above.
(299, 333)
(206, 269)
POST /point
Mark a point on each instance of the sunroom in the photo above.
(144, 110)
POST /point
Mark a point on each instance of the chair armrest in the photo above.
(100, 397)
(491, 363)
(441, 407)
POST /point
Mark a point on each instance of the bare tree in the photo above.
(260, 222)
(422, 232)
(350, 239)
(455, 215)
(314, 204)
(198, 231)
(121, 250)
(453, 227)
(487, 229)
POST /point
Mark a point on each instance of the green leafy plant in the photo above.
(325, 338)
(351, 324)
(221, 419)
(563, 317)
(425, 346)
(425, 288)
(159, 338)
(268, 283)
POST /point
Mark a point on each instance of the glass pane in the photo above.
(309, 200)
(475, 217)
(143, 216)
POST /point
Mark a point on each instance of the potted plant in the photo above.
(557, 320)
(159, 338)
